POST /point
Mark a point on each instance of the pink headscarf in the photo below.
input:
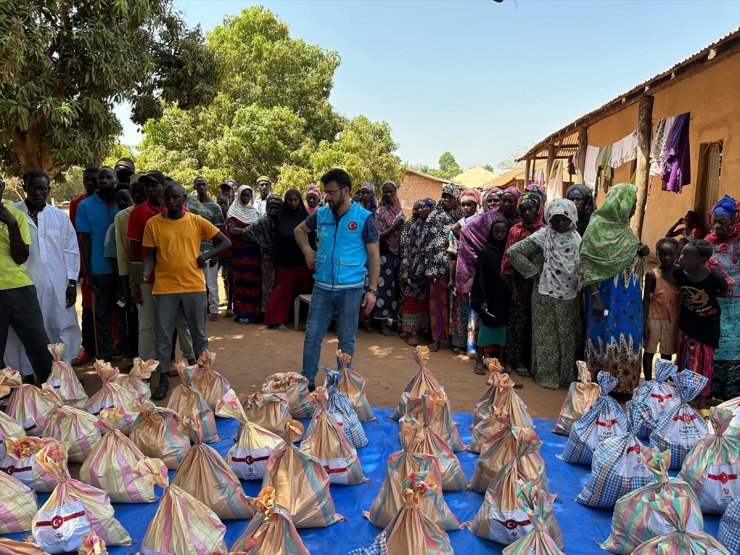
(472, 194)
(313, 190)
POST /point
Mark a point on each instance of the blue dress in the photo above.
(613, 342)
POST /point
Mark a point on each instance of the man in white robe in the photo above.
(54, 266)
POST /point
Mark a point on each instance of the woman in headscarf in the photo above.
(246, 256)
(433, 261)
(293, 277)
(519, 333)
(313, 199)
(460, 315)
(389, 218)
(612, 270)
(367, 197)
(415, 314)
(492, 198)
(584, 201)
(550, 256)
(725, 240)
(262, 232)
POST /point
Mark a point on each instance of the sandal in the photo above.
(172, 370)
(412, 340)
(386, 330)
(479, 370)
(214, 317)
(163, 388)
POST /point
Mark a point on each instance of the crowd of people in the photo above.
(537, 283)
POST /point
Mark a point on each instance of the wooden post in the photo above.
(582, 144)
(550, 162)
(527, 169)
(642, 172)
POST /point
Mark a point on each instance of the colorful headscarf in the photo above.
(471, 194)
(385, 216)
(560, 273)
(609, 245)
(583, 192)
(726, 206)
(534, 194)
(372, 204)
(426, 202)
(245, 213)
(495, 191)
(313, 190)
(433, 259)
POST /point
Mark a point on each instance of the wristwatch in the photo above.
(373, 291)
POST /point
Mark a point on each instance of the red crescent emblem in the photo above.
(352, 226)
(57, 522)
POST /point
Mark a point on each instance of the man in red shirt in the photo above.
(90, 182)
(141, 290)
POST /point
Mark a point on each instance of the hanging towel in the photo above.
(589, 166)
(539, 176)
(657, 147)
(624, 150)
(555, 181)
(603, 167)
(676, 170)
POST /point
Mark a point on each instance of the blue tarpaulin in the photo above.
(582, 527)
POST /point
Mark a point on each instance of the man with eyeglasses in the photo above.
(348, 242)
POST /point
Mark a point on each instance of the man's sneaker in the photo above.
(81, 359)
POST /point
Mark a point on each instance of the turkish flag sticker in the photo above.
(352, 226)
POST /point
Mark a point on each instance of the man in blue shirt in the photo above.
(95, 214)
(348, 243)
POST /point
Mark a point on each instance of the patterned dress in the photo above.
(247, 276)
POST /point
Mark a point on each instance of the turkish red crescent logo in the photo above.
(57, 522)
(352, 226)
(724, 477)
(635, 448)
(606, 423)
(511, 523)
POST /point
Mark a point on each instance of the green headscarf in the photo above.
(609, 246)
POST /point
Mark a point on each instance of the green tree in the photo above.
(65, 63)
(448, 167)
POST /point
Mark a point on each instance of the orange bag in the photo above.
(269, 410)
(13, 547)
(512, 403)
(111, 394)
(63, 379)
(182, 525)
(484, 429)
(484, 406)
(157, 432)
(17, 505)
(353, 386)
(28, 404)
(327, 443)
(205, 475)
(300, 482)
(134, 382)
(420, 383)
(111, 464)
(295, 388)
(210, 384)
(21, 462)
(433, 410)
(188, 402)
(9, 427)
(271, 531)
(254, 444)
(581, 395)
(72, 426)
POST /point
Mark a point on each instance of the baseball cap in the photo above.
(152, 176)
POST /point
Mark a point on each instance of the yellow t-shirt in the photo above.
(13, 275)
(178, 247)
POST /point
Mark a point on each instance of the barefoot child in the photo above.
(490, 296)
(699, 323)
(661, 303)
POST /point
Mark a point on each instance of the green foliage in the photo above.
(448, 167)
(65, 63)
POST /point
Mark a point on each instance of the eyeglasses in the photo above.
(328, 192)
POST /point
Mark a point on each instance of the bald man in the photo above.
(173, 243)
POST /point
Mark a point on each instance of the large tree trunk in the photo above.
(32, 152)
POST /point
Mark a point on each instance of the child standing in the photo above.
(699, 323)
(490, 296)
(661, 303)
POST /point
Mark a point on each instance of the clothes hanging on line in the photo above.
(539, 176)
(624, 150)
(603, 168)
(657, 148)
(555, 181)
(589, 166)
(676, 170)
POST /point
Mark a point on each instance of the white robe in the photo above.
(54, 258)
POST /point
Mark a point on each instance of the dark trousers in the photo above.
(129, 320)
(20, 309)
(104, 301)
(88, 331)
(227, 272)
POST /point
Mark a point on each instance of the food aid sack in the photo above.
(544, 537)
(581, 397)
(424, 440)
(9, 427)
(681, 427)
(635, 522)
(209, 383)
(677, 537)
(73, 510)
(186, 401)
(300, 482)
(499, 451)
(489, 425)
(182, 525)
(618, 465)
(205, 475)
(338, 404)
(74, 427)
(14, 547)
(658, 394)
(411, 531)
(271, 530)
(295, 388)
(420, 383)
(433, 410)
(402, 465)
(501, 518)
(378, 547)
(111, 394)
(254, 444)
(328, 444)
(111, 463)
(135, 381)
(729, 527)
(158, 434)
(64, 380)
(353, 386)
(92, 545)
(28, 404)
(485, 405)
(268, 410)
(734, 406)
(21, 461)
(512, 404)
(712, 467)
(17, 505)
(604, 419)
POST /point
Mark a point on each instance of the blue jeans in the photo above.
(324, 305)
